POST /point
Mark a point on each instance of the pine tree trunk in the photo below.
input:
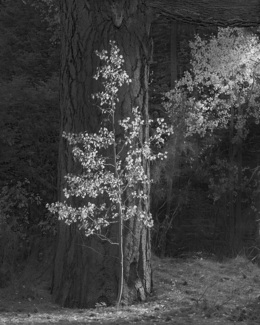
(87, 270)
(174, 53)
(239, 153)
(231, 216)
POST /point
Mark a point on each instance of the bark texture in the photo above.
(86, 270)
(221, 12)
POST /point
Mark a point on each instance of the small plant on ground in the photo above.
(115, 180)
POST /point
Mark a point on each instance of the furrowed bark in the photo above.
(86, 270)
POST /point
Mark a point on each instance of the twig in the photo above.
(206, 289)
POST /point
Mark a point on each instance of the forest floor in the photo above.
(192, 290)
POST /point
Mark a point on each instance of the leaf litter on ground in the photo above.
(192, 290)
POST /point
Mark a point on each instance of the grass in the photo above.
(194, 290)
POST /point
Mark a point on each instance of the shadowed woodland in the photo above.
(204, 197)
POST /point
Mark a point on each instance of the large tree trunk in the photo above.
(86, 270)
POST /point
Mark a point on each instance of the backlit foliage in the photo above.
(224, 74)
(219, 99)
